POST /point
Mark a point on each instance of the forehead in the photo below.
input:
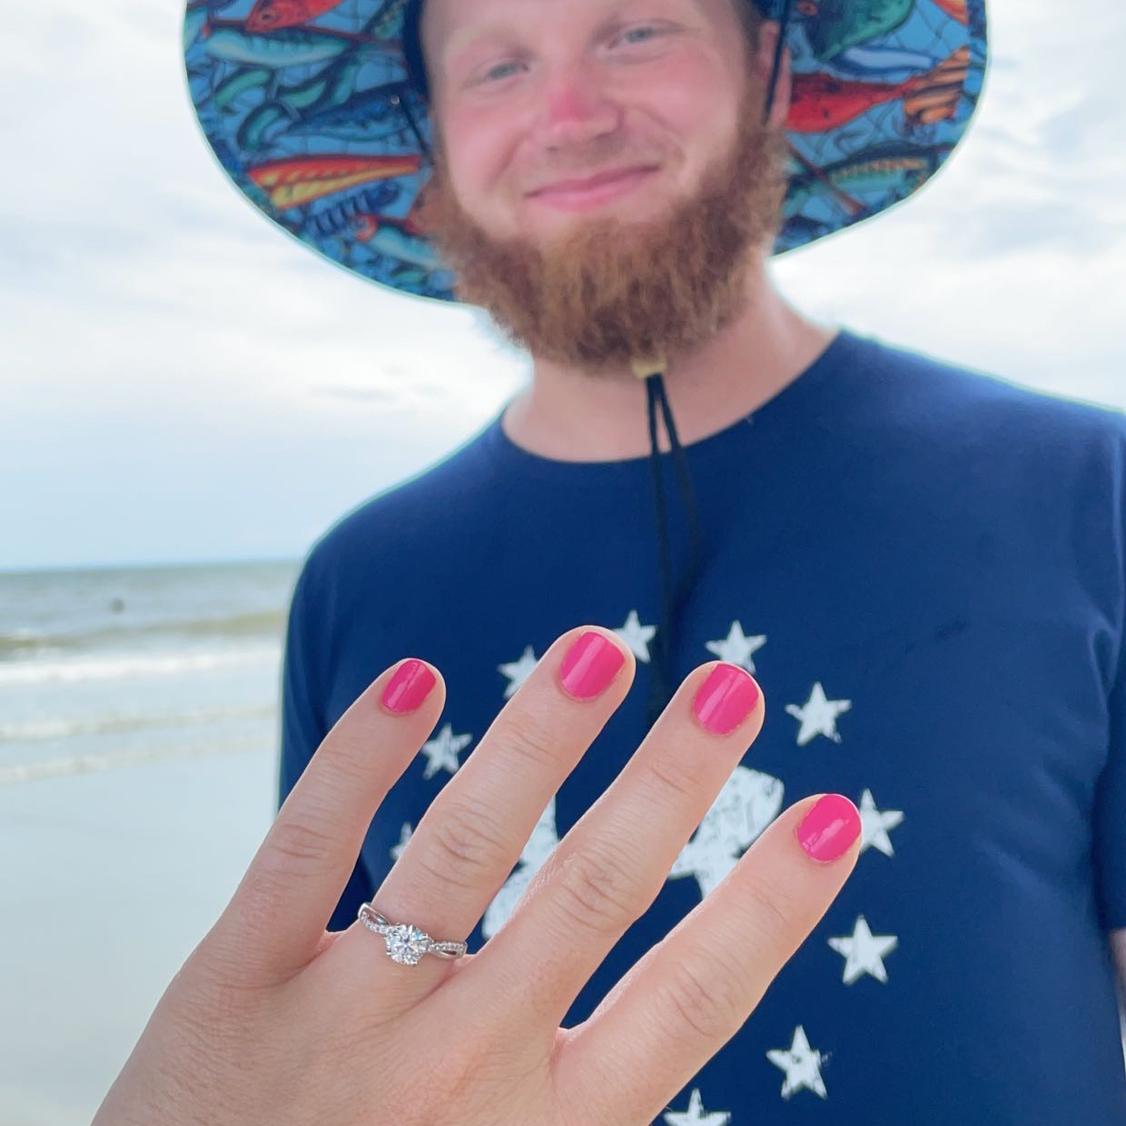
(449, 25)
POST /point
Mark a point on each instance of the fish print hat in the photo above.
(317, 110)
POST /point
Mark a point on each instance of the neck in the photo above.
(570, 415)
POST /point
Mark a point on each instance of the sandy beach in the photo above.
(112, 878)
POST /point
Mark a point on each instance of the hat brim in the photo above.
(301, 103)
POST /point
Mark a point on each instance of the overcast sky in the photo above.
(180, 381)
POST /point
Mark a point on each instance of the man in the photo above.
(923, 565)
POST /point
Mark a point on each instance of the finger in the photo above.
(473, 833)
(277, 916)
(691, 992)
(609, 868)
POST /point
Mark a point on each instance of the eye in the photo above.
(496, 72)
(641, 28)
(491, 72)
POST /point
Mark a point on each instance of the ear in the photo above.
(764, 63)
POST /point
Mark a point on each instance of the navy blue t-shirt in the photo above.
(924, 566)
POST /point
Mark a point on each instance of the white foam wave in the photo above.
(88, 764)
(65, 728)
(121, 666)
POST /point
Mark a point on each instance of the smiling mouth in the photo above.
(577, 197)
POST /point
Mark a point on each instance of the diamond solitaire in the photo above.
(406, 943)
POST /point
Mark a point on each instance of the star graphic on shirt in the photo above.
(874, 825)
(695, 1114)
(441, 751)
(737, 648)
(637, 636)
(519, 671)
(864, 952)
(802, 1065)
(404, 836)
(818, 715)
(749, 801)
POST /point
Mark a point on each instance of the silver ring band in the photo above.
(406, 944)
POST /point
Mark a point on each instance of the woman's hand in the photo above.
(274, 1020)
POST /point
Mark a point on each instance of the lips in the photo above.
(593, 181)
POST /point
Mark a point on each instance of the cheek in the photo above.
(478, 156)
(693, 98)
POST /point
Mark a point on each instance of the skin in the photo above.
(569, 101)
(273, 1019)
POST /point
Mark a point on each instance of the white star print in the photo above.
(874, 825)
(818, 715)
(695, 1114)
(404, 836)
(737, 648)
(637, 636)
(802, 1065)
(441, 751)
(748, 802)
(519, 671)
(864, 952)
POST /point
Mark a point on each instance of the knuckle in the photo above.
(528, 737)
(464, 846)
(298, 847)
(599, 890)
(773, 917)
(348, 768)
(705, 1003)
(677, 775)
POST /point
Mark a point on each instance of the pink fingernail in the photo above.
(725, 699)
(829, 828)
(409, 686)
(589, 665)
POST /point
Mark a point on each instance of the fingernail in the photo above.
(725, 699)
(589, 665)
(829, 828)
(409, 686)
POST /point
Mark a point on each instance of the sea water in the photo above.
(109, 666)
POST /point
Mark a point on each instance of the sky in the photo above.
(182, 382)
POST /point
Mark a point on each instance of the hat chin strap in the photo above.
(651, 369)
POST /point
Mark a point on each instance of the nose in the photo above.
(576, 109)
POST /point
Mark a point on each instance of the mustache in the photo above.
(605, 154)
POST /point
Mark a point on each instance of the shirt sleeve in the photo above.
(302, 712)
(1110, 799)
(1110, 817)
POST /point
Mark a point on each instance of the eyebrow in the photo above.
(467, 37)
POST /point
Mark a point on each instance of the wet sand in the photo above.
(110, 879)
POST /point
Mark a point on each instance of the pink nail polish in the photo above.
(725, 699)
(589, 665)
(829, 828)
(409, 686)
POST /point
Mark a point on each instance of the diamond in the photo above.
(406, 944)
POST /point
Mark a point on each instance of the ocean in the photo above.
(108, 666)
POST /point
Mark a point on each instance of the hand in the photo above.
(272, 1019)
